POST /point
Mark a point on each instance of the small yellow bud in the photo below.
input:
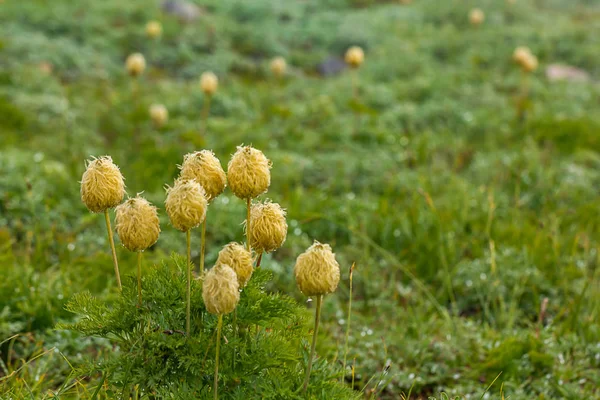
(268, 227)
(186, 204)
(209, 83)
(102, 185)
(354, 57)
(239, 259)
(220, 290)
(135, 64)
(153, 29)
(137, 224)
(520, 54)
(159, 115)
(476, 16)
(248, 172)
(317, 272)
(530, 63)
(205, 168)
(278, 66)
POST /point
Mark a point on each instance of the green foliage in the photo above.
(261, 356)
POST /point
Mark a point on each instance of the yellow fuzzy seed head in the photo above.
(209, 83)
(220, 291)
(135, 64)
(354, 57)
(102, 185)
(159, 115)
(137, 224)
(520, 54)
(248, 172)
(476, 16)
(153, 29)
(268, 227)
(317, 272)
(205, 168)
(186, 204)
(529, 63)
(239, 259)
(278, 66)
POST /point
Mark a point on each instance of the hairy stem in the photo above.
(248, 205)
(202, 246)
(205, 112)
(348, 325)
(139, 277)
(314, 343)
(111, 241)
(216, 384)
(189, 281)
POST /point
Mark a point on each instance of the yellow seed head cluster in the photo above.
(317, 272)
(248, 172)
(239, 259)
(209, 83)
(268, 227)
(530, 64)
(137, 223)
(278, 66)
(102, 185)
(206, 169)
(520, 54)
(153, 29)
(220, 291)
(186, 204)
(135, 64)
(525, 59)
(354, 57)
(476, 16)
(159, 114)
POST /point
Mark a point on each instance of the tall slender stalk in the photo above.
(314, 342)
(111, 241)
(248, 205)
(202, 246)
(348, 325)
(216, 384)
(189, 281)
(205, 112)
(139, 277)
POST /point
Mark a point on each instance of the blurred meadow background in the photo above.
(464, 189)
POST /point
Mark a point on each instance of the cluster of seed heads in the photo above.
(201, 180)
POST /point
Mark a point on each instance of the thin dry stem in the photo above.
(189, 281)
(111, 241)
(314, 343)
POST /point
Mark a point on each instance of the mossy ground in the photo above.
(460, 218)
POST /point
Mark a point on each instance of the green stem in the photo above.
(189, 281)
(111, 241)
(205, 113)
(348, 325)
(248, 205)
(139, 276)
(216, 385)
(235, 331)
(314, 343)
(202, 246)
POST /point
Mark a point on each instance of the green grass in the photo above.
(461, 219)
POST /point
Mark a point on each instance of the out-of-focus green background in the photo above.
(462, 218)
